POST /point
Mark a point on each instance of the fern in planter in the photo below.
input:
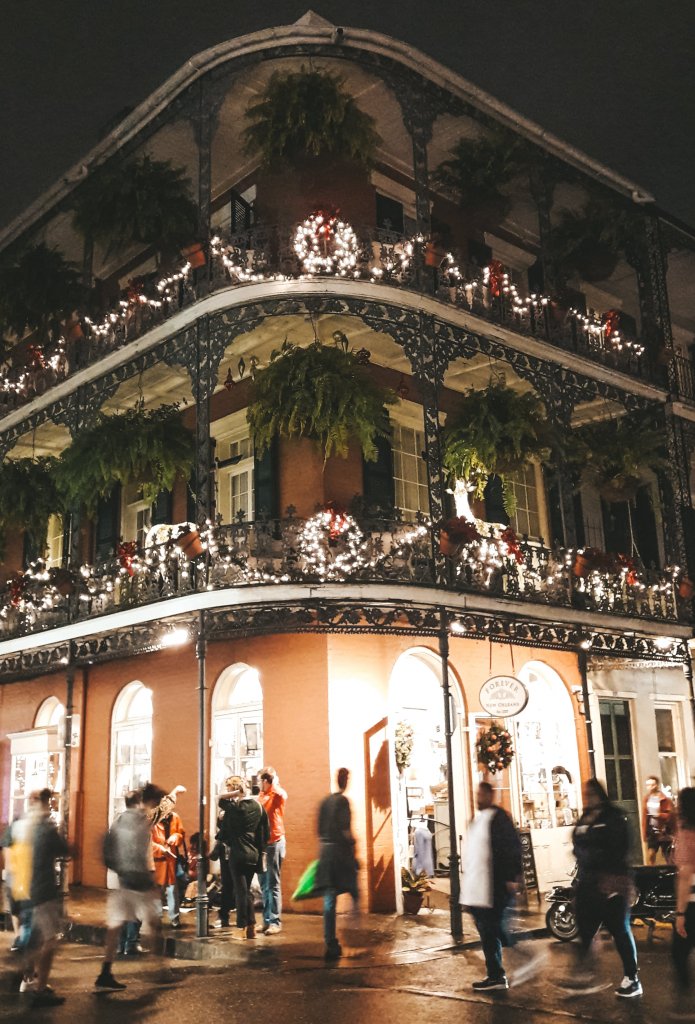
(28, 498)
(37, 287)
(619, 452)
(591, 241)
(145, 202)
(151, 448)
(308, 114)
(320, 392)
(496, 430)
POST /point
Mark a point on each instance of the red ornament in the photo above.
(495, 278)
(126, 552)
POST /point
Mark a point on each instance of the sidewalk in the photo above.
(386, 938)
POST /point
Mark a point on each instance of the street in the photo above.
(265, 983)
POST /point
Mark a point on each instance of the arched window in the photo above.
(51, 712)
(131, 743)
(237, 726)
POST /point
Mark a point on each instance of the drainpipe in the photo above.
(582, 660)
(202, 902)
(455, 912)
(67, 765)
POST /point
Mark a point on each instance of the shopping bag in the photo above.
(306, 887)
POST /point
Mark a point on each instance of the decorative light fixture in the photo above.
(174, 636)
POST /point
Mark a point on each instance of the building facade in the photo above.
(320, 622)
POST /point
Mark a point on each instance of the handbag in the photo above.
(306, 887)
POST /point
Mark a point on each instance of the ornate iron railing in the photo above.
(326, 548)
(268, 252)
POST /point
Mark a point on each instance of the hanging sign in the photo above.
(503, 696)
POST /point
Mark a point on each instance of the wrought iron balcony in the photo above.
(272, 252)
(331, 547)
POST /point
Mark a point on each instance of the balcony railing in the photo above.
(268, 252)
(328, 547)
(685, 378)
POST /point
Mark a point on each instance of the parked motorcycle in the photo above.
(655, 902)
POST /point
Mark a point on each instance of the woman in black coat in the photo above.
(245, 832)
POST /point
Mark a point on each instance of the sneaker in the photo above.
(136, 950)
(273, 929)
(490, 984)
(108, 983)
(47, 997)
(220, 923)
(629, 988)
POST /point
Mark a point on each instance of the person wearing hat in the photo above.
(244, 829)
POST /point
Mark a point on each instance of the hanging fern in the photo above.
(590, 241)
(29, 497)
(496, 430)
(308, 113)
(619, 451)
(321, 392)
(479, 168)
(151, 448)
(36, 287)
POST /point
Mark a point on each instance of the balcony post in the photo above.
(67, 767)
(455, 913)
(542, 188)
(203, 383)
(429, 370)
(202, 903)
(582, 662)
(418, 120)
(204, 120)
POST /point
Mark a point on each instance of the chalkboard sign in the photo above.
(528, 863)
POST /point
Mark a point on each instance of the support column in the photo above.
(418, 118)
(202, 903)
(67, 767)
(582, 662)
(542, 189)
(455, 912)
(429, 370)
(203, 383)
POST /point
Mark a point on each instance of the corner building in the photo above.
(292, 655)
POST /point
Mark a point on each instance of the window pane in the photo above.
(606, 728)
(668, 769)
(665, 732)
(627, 780)
(611, 782)
(621, 712)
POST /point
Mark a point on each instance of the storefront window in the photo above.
(237, 727)
(131, 744)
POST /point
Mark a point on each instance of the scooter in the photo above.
(655, 902)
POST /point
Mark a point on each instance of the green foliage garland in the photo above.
(308, 113)
(144, 201)
(320, 392)
(495, 430)
(37, 286)
(494, 749)
(146, 447)
(28, 497)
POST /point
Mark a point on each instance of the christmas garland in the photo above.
(494, 748)
(404, 739)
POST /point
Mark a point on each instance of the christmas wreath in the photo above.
(494, 748)
(403, 745)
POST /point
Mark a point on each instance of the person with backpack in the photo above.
(128, 852)
(245, 831)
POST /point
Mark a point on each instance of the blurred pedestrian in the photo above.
(273, 799)
(604, 890)
(684, 930)
(245, 831)
(337, 867)
(491, 876)
(658, 816)
(168, 844)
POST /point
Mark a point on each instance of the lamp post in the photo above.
(202, 901)
(455, 913)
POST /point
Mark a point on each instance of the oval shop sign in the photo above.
(503, 696)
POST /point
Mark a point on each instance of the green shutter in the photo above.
(494, 503)
(377, 477)
(162, 508)
(265, 475)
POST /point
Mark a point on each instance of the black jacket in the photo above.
(506, 856)
(601, 841)
(245, 830)
(337, 868)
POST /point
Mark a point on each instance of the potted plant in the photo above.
(142, 202)
(37, 288)
(619, 451)
(306, 120)
(151, 448)
(320, 392)
(190, 542)
(415, 888)
(590, 241)
(29, 497)
(495, 430)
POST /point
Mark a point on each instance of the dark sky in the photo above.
(614, 77)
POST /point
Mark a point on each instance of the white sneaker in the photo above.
(629, 988)
(273, 929)
(27, 985)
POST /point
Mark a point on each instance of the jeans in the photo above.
(270, 882)
(173, 903)
(330, 898)
(245, 910)
(228, 901)
(130, 935)
(594, 909)
(490, 924)
(680, 949)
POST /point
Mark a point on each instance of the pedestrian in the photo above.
(491, 875)
(684, 930)
(168, 844)
(129, 940)
(128, 852)
(245, 831)
(604, 891)
(17, 841)
(47, 845)
(337, 868)
(658, 820)
(273, 799)
(220, 853)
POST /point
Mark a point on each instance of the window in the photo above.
(131, 744)
(235, 483)
(666, 736)
(237, 727)
(137, 515)
(617, 750)
(527, 518)
(409, 470)
(54, 542)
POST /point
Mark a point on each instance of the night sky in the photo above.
(613, 77)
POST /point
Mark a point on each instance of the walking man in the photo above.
(491, 875)
(128, 852)
(273, 799)
(337, 868)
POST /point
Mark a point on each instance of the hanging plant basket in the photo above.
(494, 749)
